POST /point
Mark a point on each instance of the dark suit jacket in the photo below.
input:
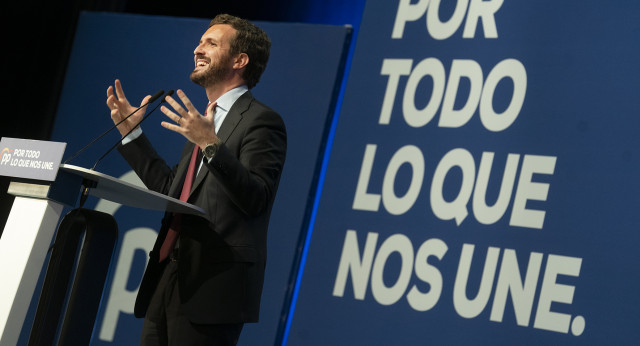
(222, 260)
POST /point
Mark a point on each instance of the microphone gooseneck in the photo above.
(151, 100)
(169, 93)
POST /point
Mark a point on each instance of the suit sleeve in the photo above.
(148, 165)
(250, 176)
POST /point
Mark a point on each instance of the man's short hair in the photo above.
(251, 40)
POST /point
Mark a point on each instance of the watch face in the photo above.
(210, 150)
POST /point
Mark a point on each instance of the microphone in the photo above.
(151, 100)
(157, 96)
(169, 93)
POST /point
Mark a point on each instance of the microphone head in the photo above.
(169, 93)
(156, 96)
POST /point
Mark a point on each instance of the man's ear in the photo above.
(241, 61)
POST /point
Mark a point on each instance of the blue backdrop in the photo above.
(482, 186)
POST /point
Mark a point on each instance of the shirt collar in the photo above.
(229, 98)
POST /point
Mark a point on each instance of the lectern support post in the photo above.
(23, 248)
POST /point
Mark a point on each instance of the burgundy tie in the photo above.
(172, 235)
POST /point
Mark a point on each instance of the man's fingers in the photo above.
(172, 127)
(173, 116)
(113, 103)
(145, 100)
(109, 91)
(109, 101)
(187, 103)
(111, 98)
(176, 106)
(119, 91)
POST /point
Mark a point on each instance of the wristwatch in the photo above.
(210, 150)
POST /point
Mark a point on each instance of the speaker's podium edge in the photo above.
(32, 223)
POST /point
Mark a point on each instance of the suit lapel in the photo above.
(235, 116)
(230, 123)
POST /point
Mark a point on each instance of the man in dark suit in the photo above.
(201, 288)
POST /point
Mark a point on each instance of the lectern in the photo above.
(32, 224)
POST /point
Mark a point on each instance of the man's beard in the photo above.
(214, 74)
